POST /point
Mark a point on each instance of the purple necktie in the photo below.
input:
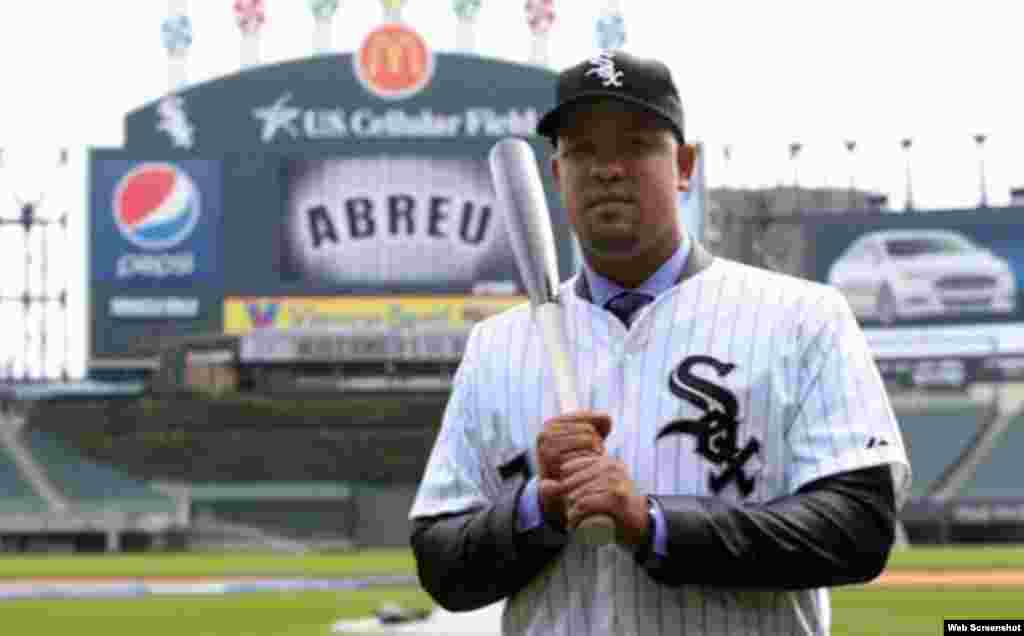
(626, 304)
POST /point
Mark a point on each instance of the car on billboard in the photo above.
(893, 275)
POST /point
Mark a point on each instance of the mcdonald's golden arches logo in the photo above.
(394, 62)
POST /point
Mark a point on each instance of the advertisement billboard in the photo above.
(353, 182)
(927, 274)
(243, 315)
(393, 88)
(154, 222)
(396, 221)
(940, 294)
(154, 249)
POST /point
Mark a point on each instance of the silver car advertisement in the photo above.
(947, 286)
(924, 269)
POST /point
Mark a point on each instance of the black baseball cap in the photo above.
(617, 75)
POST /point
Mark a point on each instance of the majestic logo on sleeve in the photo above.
(717, 431)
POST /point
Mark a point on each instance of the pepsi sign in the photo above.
(155, 222)
(156, 206)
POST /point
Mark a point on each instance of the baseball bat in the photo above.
(521, 195)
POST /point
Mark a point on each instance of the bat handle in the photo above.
(595, 530)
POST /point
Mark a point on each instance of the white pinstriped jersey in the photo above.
(780, 365)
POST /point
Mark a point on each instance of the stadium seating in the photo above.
(1000, 475)
(89, 485)
(935, 440)
(16, 494)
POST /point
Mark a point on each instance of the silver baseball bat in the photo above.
(521, 195)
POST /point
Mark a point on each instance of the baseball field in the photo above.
(920, 587)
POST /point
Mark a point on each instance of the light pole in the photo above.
(794, 153)
(907, 143)
(727, 157)
(851, 147)
(979, 140)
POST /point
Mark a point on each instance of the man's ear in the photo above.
(687, 157)
(555, 170)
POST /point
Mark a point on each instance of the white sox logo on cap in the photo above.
(604, 67)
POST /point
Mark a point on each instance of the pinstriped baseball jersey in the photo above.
(737, 383)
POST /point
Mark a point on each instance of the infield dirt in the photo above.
(957, 578)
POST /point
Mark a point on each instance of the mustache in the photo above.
(607, 196)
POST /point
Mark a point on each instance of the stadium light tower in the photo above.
(34, 291)
(979, 140)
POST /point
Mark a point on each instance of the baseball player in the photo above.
(735, 424)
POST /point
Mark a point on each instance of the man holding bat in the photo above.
(732, 422)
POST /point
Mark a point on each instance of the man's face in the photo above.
(619, 170)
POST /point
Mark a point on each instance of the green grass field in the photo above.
(857, 610)
(301, 614)
(202, 564)
(870, 611)
(959, 558)
(388, 562)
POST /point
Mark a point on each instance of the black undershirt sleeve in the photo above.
(469, 560)
(834, 531)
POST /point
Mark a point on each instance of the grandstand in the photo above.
(1000, 475)
(17, 497)
(964, 449)
(984, 453)
(289, 470)
(935, 434)
(91, 486)
(53, 497)
(291, 454)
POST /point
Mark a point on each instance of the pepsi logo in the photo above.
(156, 206)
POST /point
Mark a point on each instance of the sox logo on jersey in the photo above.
(716, 431)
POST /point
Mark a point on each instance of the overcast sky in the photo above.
(755, 76)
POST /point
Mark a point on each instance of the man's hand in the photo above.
(569, 436)
(598, 484)
(565, 438)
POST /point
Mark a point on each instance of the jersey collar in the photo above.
(602, 289)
